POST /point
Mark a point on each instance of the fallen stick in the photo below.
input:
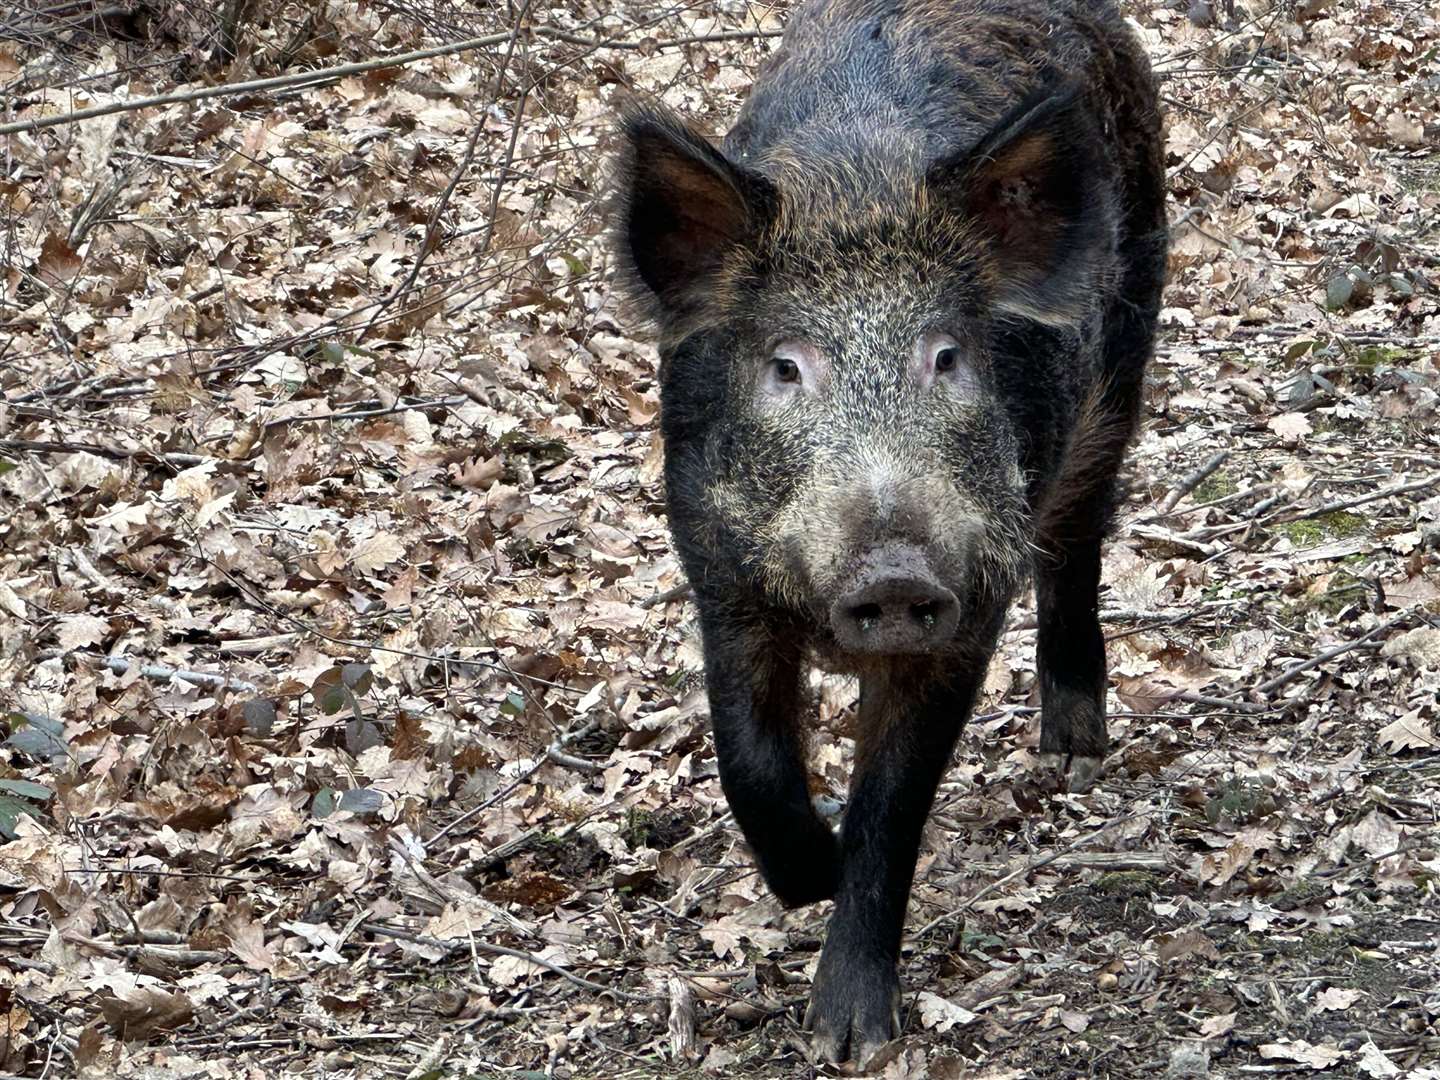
(305, 78)
(501, 950)
(1190, 482)
(1030, 865)
(1271, 685)
(120, 665)
(1346, 504)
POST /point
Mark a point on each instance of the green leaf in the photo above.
(330, 692)
(361, 800)
(333, 699)
(11, 809)
(1338, 291)
(358, 677)
(36, 736)
(27, 789)
(323, 805)
(361, 735)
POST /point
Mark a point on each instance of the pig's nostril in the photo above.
(895, 613)
(867, 616)
(927, 613)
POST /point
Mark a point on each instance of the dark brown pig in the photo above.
(904, 310)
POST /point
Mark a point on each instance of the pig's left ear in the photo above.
(1031, 186)
(681, 207)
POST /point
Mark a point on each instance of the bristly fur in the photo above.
(986, 173)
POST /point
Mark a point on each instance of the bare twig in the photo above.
(370, 414)
(120, 665)
(1292, 672)
(1153, 861)
(682, 1019)
(45, 446)
(678, 592)
(559, 744)
(1235, 704)
(501, 950)
(431, 240)
(1404, 849)
(1359, 500)
(1190, 482)
(1030, 865)
(165, 954)
(1175, 540)
(318, 75)
(299, 78)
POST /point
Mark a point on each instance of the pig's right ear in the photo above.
(681, 209)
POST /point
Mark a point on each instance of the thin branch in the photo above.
(1191, 482)
(501, 950)
(556, 746)
(43, 446)
(318, 75)
(431, 239)
(1031, 864)
(1346, 504)
(1367, 638)
(656, 43)
(678, 592)
(299, 78)
(370, 414)
(120, 665)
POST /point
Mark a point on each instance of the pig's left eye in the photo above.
(941, 361)
(786, 370)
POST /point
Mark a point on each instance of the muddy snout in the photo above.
(892, 604)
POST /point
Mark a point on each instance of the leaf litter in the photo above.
(354, 715)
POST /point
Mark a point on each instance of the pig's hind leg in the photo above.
(1071, 528)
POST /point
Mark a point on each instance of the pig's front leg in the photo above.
(755, 706)
(908, 726)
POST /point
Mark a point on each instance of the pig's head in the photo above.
(837, 434)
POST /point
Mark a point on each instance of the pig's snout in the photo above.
(893, 604)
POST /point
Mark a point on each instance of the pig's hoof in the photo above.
(854, 1009)
(806, 872)
(1083, 773)
(1076, 772)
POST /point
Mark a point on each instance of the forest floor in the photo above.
(353, 720)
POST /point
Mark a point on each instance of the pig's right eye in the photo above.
(795, 369)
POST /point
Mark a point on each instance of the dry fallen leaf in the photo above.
(1408, 732)
(1336, 999)
(1218, 1025)
(251, 480)
(1290, 426)
(1317, 1057)
(938, 1014)
(142, 1012)
(1420, 646)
